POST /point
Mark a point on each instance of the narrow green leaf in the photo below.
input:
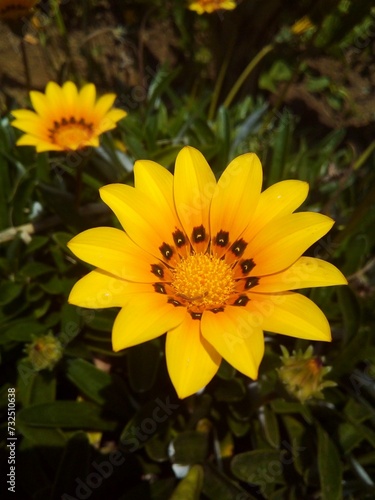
(270, 427)
(330, 467)
(66, 414)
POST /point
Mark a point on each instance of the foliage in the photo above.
(94, 423)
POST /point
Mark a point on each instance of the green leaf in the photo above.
(330, 467)
(270, 427)
(191, 486)
(23, 330)
(35, 387)
(296, 432)
(282, 141)
(99, 386)
(218, 486)
(152, 418)
(9, 291)
(35, 270)
(66, 414)
(190, 447)
(256, 465)
(350, 311)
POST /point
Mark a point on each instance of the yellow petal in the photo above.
(56, 101)
(279, 244)
(98, 290)
(32, 127)
(275, 202)
(41, 145)
(25, 114)
(70, 93)
(290, 314)
(110, 120)
(145, 317)
(307, 272)
(191, 360)
(233, 335)
(235, 198)
(103, 105)
(86, 102)
(194, 185)
(113, 251)
(141, 218)
(156, 182)
(41, 104)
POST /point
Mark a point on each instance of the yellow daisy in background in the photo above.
(210, 263)
(11, 10)
(210, 6)
(66, 119)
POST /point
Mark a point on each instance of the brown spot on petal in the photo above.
(242, 300)
(238, 247)
(199, 234)
(166, 251)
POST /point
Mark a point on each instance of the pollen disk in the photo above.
(204, 281)
(71, 134)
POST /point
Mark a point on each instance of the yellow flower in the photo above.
(66, 119)
(210, 6)
(302, 373)
(302, 25)
(11, 10)
(210, 263)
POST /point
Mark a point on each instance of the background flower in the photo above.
(65, 118)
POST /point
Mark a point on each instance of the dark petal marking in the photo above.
(72, 119)
(64, 121)
(222, 238)
(166, 250)
(241, 301)
(247, 265)
(159, 288)
(217, 310)
(238, 247)
(174, 302)
(179, 238)
(157, 270)
(195, 315)
(199, 234)
(251, 282)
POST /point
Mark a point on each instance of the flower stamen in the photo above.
(204, 281)
(70, 134)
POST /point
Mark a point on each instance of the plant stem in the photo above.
(246, 72)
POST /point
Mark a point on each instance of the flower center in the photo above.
(204, 281)
(71, 134)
